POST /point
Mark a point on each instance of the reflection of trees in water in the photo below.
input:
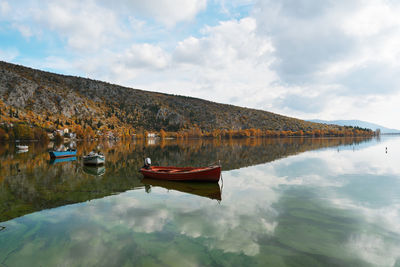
(238, 153)
(29, 183)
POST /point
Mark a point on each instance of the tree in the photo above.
(78, 131)
(23, 131)
(89, 133)
(40, 134)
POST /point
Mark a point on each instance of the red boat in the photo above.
(202, 174)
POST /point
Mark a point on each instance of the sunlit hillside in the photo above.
(88, 107)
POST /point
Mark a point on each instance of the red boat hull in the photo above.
(204, 174)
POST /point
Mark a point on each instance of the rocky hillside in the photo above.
(49, 99)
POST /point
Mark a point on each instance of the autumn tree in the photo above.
(89, 133)
(77, 129)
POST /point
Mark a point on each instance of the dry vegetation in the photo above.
(37, 100)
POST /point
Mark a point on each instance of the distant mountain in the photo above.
(358, 123)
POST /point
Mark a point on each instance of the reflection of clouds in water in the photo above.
(227, 228)
(329, 162)
(235, 225)
(345, 170)
(387, 217)
(127, 211)
(371, 160)
(245, 215)
(374, 250)
(382, 250)
(361, 181)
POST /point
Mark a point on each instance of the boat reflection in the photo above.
(60, 160)
(209, 190)
(94, 170)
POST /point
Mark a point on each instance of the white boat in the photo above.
(94, 159)
(20, 147)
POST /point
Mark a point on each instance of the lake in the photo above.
(281, 202)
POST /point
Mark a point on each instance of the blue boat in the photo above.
(62, 154)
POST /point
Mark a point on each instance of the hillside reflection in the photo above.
(31, 182)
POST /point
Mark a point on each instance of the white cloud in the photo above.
(145, 56)
(371, 19)
(165, 11)
(309, 37)
(85, 25)
(25, 30)
(8, 54)
(349, 47)
(225, 44)
(171, 12)
(230, 6)
(230, 56)
(4, 8)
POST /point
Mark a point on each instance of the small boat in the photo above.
(20, 147)
(94, 159)
(62, 154)
(195, 174)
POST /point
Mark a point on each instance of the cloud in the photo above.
(304, 34)
(303, 102)
(310, 38)
(4, 8)
(8, 54)
(85, 25)
(349, 47)
(165, 11)
(371, 19)
(230, 7)
(145, 56)
(224, 44)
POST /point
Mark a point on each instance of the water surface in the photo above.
(283, 202)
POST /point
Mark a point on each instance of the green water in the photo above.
(283, 202)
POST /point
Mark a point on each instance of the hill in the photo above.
(358, 123)
(50, 101)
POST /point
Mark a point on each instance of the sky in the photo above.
(309, 59)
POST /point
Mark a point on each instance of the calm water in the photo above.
(283, 202)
